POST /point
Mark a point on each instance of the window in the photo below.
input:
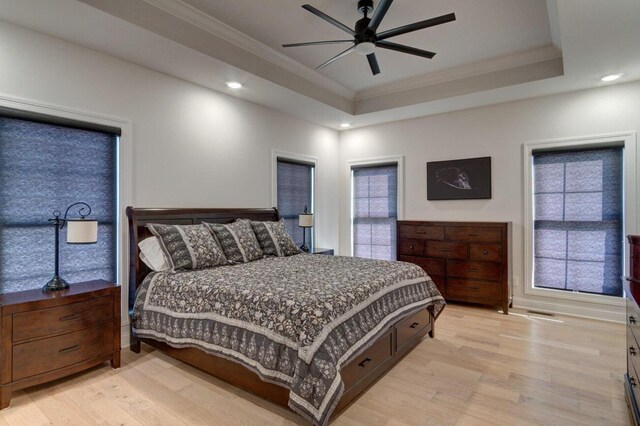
(374, 210)
(295, 191)
(46, 167)
(578, 220)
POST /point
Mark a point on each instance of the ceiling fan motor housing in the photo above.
(365, 6)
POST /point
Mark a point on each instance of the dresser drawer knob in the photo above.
(414, 325)
(632, 319)
(70, 317)
(485, 252)
(411, 246)
(365, 362)
(632, 351)
(69, 349)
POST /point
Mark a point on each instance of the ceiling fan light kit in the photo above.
(365, 35)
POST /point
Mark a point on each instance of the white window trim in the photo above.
(630, 160)
(317, 213)
(124, 179)
(374, 161)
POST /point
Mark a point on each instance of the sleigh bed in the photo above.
(310, 332)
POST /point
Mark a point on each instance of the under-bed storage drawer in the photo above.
(368, 361)
(410, 327)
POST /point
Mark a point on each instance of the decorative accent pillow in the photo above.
(274, 239)
(188, 246)
(152, 255)
(237, 240)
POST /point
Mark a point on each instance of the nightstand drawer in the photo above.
(61, 319)
(41, 356)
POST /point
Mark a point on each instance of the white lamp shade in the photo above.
(82, 231)
(305, 220)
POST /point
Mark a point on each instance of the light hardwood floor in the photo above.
(482, 368)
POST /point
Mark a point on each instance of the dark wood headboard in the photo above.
(138, 231)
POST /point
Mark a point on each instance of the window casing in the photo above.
(295, 190)
(580, 303)
(46, 167)
(374, 210)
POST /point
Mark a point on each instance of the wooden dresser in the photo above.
(46, 336)
(632, 295)
(468, 261)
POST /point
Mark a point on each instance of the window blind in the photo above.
(45, 167)
(295, 190)
(375, 211)
(578, 220)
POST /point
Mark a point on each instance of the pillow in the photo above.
(274, 239)
(237, 240)
(152, 255)
(188, 246)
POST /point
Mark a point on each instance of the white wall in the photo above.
(498, 131)
(191, 146)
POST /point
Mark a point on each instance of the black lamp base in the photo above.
(304, 248)
(56, 283)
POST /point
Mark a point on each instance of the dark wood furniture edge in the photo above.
(31, 300)
(224, 369)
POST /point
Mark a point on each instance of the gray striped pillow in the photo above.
(274, 239)
(237, 240)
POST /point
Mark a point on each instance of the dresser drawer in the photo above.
(491, 252)
(440, 282)
(61, 319)
(446, 250)
(491, 271)
(411, 247)
(473, 289)
(430, 266)
(472, 234)
(427, 232)
(44, 355)
(368, 361)
(409, 327)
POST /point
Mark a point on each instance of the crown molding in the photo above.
(527, 57)
(199, 19)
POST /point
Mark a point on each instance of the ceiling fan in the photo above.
(366, 39)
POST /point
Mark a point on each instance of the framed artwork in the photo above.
(465, 179)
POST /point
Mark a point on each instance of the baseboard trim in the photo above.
(613, 314)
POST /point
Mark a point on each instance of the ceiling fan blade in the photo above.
(317, 43)
(329, 19)
(335, 58)
(405, 49)
(373, 63)
(378, 15)
(417, 26)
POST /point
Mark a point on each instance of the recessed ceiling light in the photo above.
(234, 84)
(611, 77)
(345, 125)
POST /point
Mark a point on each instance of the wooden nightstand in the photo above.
(318, 250)
(46, 336)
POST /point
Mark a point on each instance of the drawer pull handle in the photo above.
(485, 252)
(474, 270)
(70, 317)
(421, 232)
(365, 362)
(474, 235)
(474, 288)
(632, 351)
(414, 325)
(445, 250)
(69, 349)
(632, 319)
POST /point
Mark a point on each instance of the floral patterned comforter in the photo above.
(295, 320)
